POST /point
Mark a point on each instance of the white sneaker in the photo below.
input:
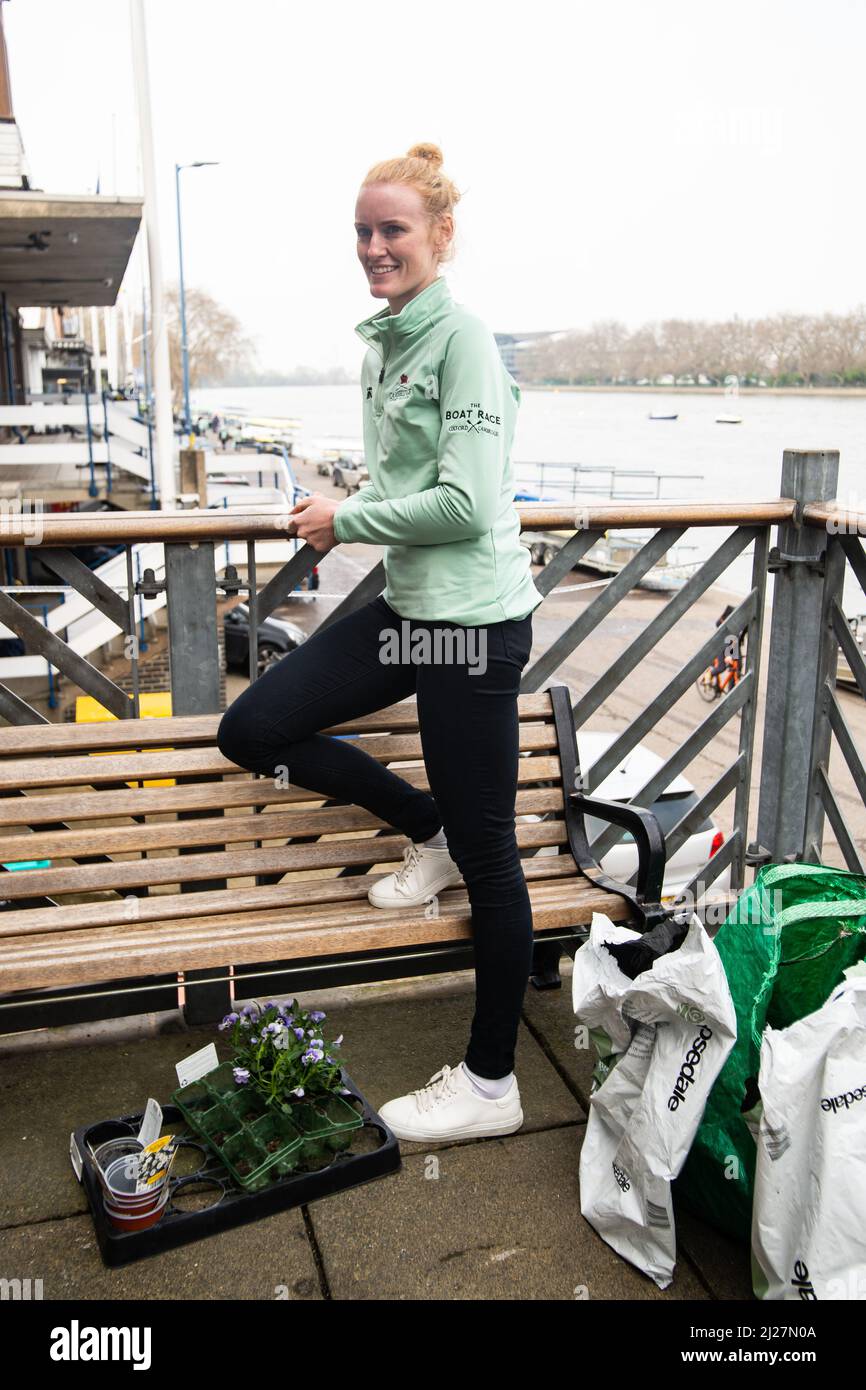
(449, 1107)
(425, 871)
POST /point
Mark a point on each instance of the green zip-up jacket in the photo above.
(439, 410)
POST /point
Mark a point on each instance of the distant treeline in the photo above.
(301, 376)
(785, 350)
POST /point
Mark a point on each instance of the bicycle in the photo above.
(719, 678)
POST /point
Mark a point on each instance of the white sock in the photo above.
(437, 841)
(491, 1090)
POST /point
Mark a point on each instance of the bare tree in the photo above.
(218, 348)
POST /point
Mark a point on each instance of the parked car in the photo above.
(276, 638)
(622, 784)
(349, 471)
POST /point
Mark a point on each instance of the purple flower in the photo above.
(298, 1032)
(241, 1075)
(316, 1015)
(331, 1060)
(337, 1041)
(228, 1021)
(254, 1038)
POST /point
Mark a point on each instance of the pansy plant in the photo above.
(280, 1051)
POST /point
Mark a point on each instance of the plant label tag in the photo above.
(155, 1162)
(75, 1156)
(196, 1065)
(151, 1124)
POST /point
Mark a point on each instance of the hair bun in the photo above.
(431, 153)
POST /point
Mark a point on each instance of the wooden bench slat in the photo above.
(192, 868)
(156, 763)
(222, 830)
(60, 946)
(162, 906)
(202, 943)
(40, 739)
(38, 808)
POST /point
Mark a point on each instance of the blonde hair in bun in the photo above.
(421, 168)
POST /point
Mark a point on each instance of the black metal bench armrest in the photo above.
(645, 896)
(647, 835)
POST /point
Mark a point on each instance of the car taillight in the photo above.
(718, 841)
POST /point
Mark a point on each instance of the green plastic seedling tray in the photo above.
(325, 1126)
(237, 1126)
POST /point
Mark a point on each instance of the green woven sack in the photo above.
(784, 947)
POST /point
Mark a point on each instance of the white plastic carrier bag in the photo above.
(809, 1209)
(659, 1010)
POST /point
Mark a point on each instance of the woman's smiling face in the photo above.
(396, 244)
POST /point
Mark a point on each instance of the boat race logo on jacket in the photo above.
(473, 420)
(400, 392)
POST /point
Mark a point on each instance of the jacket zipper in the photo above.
(377, 399)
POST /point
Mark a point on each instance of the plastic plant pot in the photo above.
(142, 1202)
(344, 1118)
(245, 1105)
(219, 1120)
(247, 1160)
(110, 1149)
(119, 1190)
(280, 1140)
(314, 1127)
(121, 1176)
(326, 1125)
(221, 1081)
(196, 1096)
(124, 1220)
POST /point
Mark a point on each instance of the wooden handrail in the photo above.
(827, 514)
(46, 529)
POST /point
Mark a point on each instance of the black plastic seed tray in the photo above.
(204, 1198)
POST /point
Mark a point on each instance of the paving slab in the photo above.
(549, 1016)
(724, 1264)
(270, 1259)
(490, 1219)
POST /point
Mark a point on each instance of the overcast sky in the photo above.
(632, 160)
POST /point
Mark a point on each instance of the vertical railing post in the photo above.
(796, 657)
(192, 628)
(822, 734)
(195, 689)
(748, 714)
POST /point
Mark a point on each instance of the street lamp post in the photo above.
(184, 347)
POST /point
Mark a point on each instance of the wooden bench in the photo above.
(219, 871)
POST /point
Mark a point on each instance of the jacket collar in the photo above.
(384, 327)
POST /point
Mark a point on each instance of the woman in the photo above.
(454, 627)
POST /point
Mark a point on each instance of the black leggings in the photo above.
(467, 683)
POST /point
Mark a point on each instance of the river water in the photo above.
(611, 429)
